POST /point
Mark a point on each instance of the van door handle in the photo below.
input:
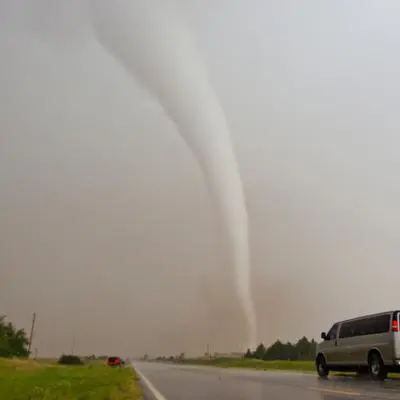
(335, 342)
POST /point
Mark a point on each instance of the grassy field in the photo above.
(30, 380)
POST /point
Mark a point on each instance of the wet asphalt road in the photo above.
(178, 382)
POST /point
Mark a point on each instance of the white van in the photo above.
(368, 343)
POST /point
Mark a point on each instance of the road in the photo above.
(181, 382)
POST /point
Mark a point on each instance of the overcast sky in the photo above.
(106, 227)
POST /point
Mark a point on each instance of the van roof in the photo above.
(368, 316)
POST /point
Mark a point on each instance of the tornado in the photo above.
(156, 47)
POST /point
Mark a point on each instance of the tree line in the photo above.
(13, 341)
(304, 349)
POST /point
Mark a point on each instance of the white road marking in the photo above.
(336, 391)
(156, 394)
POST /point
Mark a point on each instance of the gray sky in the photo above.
(106, 228)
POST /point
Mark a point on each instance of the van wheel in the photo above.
(322, 369)
(377, 370)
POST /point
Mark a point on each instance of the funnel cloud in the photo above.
(156, 48)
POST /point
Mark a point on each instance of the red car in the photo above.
(114, 362)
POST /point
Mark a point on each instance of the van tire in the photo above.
(377, 370)
(322, 369)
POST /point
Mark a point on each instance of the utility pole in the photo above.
(73, 345)
(32, 330)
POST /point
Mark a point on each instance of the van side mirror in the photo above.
(323, 335)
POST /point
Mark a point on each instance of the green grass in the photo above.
(30, 380)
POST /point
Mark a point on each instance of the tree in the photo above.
(302, 350)
(260, 351)
(13, 342)
(275, 351)
(248, 354)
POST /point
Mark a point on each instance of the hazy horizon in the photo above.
(107, 230)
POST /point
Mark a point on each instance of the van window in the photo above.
(332, 334)
(347, 329)
(381, 324)
(365, 326)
